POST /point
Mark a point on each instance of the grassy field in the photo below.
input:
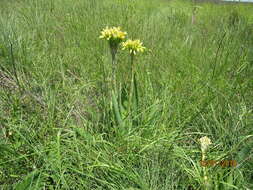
(62, 128)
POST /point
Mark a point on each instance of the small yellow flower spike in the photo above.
(205, 142)
(133, 46)
(113, 34)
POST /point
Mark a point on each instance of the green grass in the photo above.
(57, 130)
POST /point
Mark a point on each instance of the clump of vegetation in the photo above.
(77, 113)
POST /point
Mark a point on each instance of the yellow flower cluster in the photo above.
(113, 33)
(115, 36)
(133, 46)
(205, 142)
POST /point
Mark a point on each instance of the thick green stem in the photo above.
(113, 77)
(206, 183)
(113, 90)
(114, 73)
(132, 82)
(132, 73)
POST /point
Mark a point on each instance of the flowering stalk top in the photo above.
(133, 46)
(205, 142)
(113, 34)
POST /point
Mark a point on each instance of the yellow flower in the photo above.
(133, 46)
(113, 34)
(205, 142)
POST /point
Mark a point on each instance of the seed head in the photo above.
(204, 142)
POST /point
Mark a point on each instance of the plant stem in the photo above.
(114, 92)
(206, 184)
(114, 64)
(132, 82)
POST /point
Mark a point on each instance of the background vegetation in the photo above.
(56, 130)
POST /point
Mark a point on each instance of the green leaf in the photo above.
(135, 101)
(30, 182)
(4, 148)
(244, 153)
(116, 109)
(230, 179)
